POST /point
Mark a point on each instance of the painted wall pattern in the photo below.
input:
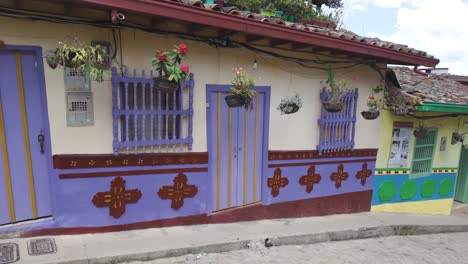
(400, 188)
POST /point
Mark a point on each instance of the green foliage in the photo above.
(242, 86)
(167, 63)
(337, 90)
(90, 60)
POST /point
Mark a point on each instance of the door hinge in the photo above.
(35, 64)
(207, 105)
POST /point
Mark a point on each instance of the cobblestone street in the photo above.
(444, 248)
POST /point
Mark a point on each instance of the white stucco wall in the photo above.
(210, 66)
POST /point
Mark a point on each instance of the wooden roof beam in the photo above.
(222, 33)
(278, 42)
(253, 38)
(299, 46)
(195, 28)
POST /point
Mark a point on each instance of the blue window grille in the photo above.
(337, 130)
(147, 119)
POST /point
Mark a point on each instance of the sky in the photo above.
(438, 27)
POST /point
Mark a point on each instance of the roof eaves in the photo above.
(303, 34)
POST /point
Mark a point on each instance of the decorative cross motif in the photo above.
(117, 198)
(339, 177)
(310, 179)
(364, 174)
(178, 192)
(277, 182)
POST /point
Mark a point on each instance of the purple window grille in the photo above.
(147, 119)
(337, 130)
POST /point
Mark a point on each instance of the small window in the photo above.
(337, 129)
(424, 149)
(149, 119)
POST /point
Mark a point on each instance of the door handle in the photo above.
(41, 139)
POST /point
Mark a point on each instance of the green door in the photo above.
(461, 193)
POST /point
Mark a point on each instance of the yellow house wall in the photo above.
(449, 158)
(210, 66)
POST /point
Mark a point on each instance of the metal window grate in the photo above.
(424, 150)
(337, 130)
(148, 119)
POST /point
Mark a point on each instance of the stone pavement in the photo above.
(427, 249)
(150, 244)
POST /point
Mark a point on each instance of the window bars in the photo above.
(424, 150)
(337, 130)
(147, 119)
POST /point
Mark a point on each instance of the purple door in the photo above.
(24, 180)
(237, 147)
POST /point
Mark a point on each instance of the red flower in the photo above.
(183, 48)
(162, 57)
(184, 68)
(371, 98)
(354, 78)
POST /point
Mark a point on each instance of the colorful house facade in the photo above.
(422, 174)
(84, 156)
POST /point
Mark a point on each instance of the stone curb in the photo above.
(362, 233)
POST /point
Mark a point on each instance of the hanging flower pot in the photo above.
(163, 84)
(234, 100)
(370, 115)
(170, 73)
(51, 59)
(421, 132)
(290, 105)
(241, 92)
(333, 106)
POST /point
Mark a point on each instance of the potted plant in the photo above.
(90, 60)
(421, 132)
(334, 103)
(171, 71)
(374, 105)
(290, 105)
(51, 58)
(241, 93)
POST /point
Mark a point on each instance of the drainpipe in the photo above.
(419, 72)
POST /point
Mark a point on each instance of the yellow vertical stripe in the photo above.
(218, 155)
(229, 156)
(255, 151)
(32, 191)
(246, 152)
(6, 166)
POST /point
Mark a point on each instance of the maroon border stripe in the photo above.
(338, 204)
(128, 173)
(86, 161)
(314, 154)
(318, 163)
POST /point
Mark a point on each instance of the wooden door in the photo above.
(24, 188)
(236, 148)
(461, 191)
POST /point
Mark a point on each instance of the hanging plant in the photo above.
(241, 93)
(51, 59)
(290, 105)
(89, 60)
(171, 71)
(334, 102)
(374, 105)
(421, 132)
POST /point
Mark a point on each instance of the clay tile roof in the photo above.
(431, 87)
(341, 34)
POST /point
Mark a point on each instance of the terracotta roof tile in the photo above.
(342, 33)
(431, 87)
